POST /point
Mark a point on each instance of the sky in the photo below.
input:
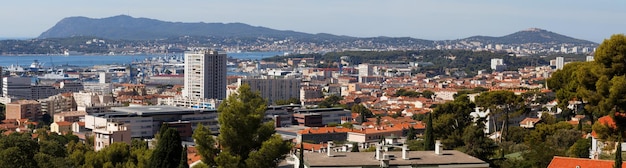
(425, 19)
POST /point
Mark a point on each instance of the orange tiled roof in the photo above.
(323, 130)
(192, 155)
(310, 146)
(63, 123)
(564, 162)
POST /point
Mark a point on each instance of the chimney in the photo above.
(438, 149)
(378, 152)
(328, 148)
(405, 152)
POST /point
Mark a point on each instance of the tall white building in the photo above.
(205, 75)
(559, 63)
(274, 89)
(497, 64)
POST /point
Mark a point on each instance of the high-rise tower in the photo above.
(205, 75)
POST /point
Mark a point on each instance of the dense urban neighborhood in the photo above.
(328, 101)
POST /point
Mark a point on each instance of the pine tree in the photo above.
(245, 139)
(429, 136)
(355, 147)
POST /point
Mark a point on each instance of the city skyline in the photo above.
(432, 20)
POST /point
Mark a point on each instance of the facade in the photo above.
(559, 63)
(22, 88)
(109, 133)
(145, 121)
(24, 109)
(205, 75)
(274, 89)
(61, 127)
(69, 116)
(498, 64)
(57, 103)
(190, 103)
(329, 115)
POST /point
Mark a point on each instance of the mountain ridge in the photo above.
(130, 28)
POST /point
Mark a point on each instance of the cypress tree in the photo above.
(429, 137)
(183, 158)
(301, 158)
(618, 152)
(411, 134)
(168, 151)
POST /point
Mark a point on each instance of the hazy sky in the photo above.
(434, 20)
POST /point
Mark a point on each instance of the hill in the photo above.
(129, 28)
(532, 35)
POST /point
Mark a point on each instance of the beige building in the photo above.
(111, 132)
(69, 116)
(24, 109)
(274, 89)
(61, 127)
(58, 103)
(205, 75)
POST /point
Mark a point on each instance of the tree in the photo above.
(580, 149)
(183, 158)
(301, 156)
(355, 147)
(502, 104)
(411, 134)
(618, 154)
(363, 112)
(205, 144)
(428, 94)
(168, 150)
(429, 136)
(450, 120)
(18, 149)
(476, 144)
(243, 135)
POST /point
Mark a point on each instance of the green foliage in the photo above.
(450, 120)
(411, 134)
(580, 149)
(502, 104)
(292, 100)
(168, 150)
(330, 101)
(477, 144)
(416, 145)
(3, 111)
(272, 152)
(183, 158)
(243, 133)
(205, 144)
(355, 147)
(18, 149)
(363, 111)
(429, 135)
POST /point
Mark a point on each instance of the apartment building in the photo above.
(24, 109)
(274, 89)
(109, 133)
(205, 75)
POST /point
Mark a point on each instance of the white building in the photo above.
(559, 63)
(145, 121)
(109, 133)
(590, 58)
(273, 89)
(205, 75)
(497, 64)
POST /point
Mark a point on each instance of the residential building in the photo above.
(385, 158)
(328, 115)
(24, 109)
(22, 88)
(273, 89)
(559, 62)
(179, 101)
(105, 135)
(61, 127)
(205, 75)
(561, 162)
(69, 116)
(57, 103)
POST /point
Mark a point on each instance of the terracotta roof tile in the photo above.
(568, 162)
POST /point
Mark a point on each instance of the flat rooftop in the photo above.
(451, 158)
(150, 111)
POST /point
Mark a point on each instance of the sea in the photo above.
(91, 60)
